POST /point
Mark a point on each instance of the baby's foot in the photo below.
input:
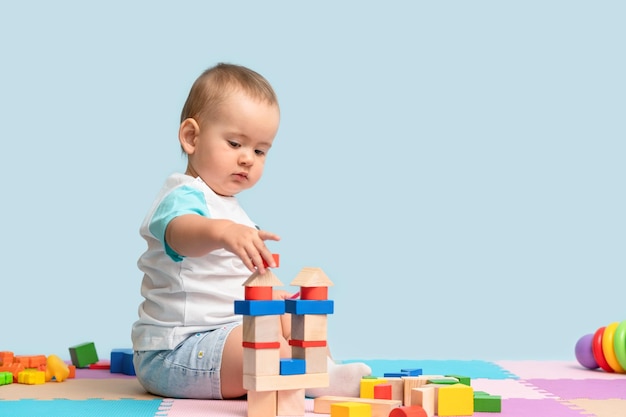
(344, 380)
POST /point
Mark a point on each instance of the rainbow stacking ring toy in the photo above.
(605, 348)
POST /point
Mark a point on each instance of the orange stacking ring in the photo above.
(608, 348)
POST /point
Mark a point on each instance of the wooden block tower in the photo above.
(276, 386)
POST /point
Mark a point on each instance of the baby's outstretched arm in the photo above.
(195, 235)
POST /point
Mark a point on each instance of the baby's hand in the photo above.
(249, 244)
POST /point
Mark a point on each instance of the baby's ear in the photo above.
(187, 135)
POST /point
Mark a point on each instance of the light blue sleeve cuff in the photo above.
(182, 200)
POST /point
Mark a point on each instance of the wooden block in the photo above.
(367, 386)
(258, 293)
(307, 343)
(281, 382)
(309, 306)
(382, 391)
(291, 366)
(259, 307)
(262, 404)
(411, 382)
(410, 411)
(350, 409)
(397, 388)
(290, 402)
(486, 403)
(314, 293)
(261, 361)
(425, 398)
(316, 358)
(455, 400)
(380, 408)
(261, 328)
(309, 326)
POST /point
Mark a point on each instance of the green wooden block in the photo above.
(6, 378)
(443, 381)
(487, 403)
(83, 355)
(465, 380)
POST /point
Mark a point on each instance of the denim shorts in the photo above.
(191, 370)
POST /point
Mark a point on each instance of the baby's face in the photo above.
(230, 149)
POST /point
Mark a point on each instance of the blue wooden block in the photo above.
(128, 368)
(260, 307)
(395, 374)
(413, 371)
(117, 360)
(309, 306)
(292, 366)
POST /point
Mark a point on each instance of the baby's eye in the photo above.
(233, 144)
(259, 152)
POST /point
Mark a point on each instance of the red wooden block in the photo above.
(307, 343)
(382, 391)
(276, 260)
(410, 411)
(314, 293)
(261, 345)
(103, 364)
(258, 293)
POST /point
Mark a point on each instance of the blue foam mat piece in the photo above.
(470, 368)
(80, 408)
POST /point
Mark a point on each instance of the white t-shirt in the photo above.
(185, 295)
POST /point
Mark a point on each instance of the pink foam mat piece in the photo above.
(555, 370)
(221, 408)
(510, 388)
(519, 407)
(569, 389)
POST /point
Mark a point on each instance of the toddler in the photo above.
(202, 246)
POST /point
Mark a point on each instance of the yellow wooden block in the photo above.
(350, 409)
(31, 377)
(455, 400)
(367, 386)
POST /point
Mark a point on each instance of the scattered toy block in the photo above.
(30, 361)
(261, 329)
(6, 378)
(290, 402)
(350, 409)
(413, 371)
(397, 388)
(117, 359)
(486, 403)
(411, 382)
(128, 367)
(6, 358)
(408, 411)
(14, 368)
(309, 306)
(465, 380)
(260, 307)
(425, 398)
(382, 391)
(101, 364)
(367, 386)
(57, 369)
(83, 355)
(292, 367)
(309, 326)
(380, 408)
(455, 400)
(262, 404)
(31, 377)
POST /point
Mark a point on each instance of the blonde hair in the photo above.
(214, 85)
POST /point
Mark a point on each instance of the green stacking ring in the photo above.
(619, 343)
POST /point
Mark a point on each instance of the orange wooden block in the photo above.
(15, 368)
(6, 358)
(258, 293)
(410, 411)
(276, 259)
(314, 293)
(72, 371)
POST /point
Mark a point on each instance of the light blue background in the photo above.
(455, 167)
